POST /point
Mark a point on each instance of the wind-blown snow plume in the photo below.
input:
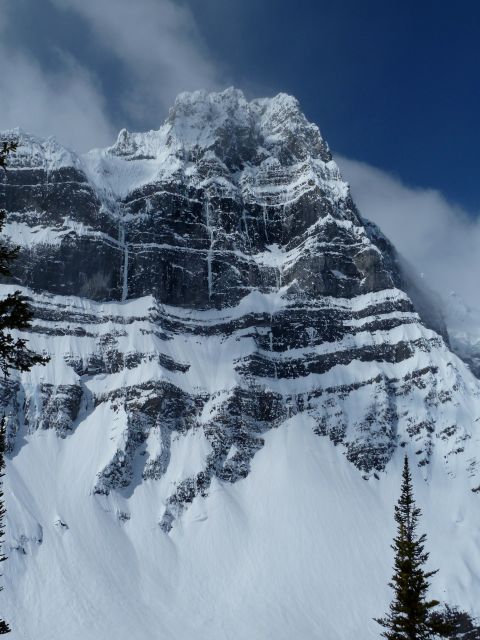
(438, 237)
(157, 41)
(66, 103)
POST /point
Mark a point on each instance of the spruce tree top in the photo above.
(410, 614)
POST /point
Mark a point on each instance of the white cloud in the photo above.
(438, 237)
(65, 104)
(157, 42)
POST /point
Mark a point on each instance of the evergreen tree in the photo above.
(15, 313)
(7, 147)
(411, 615)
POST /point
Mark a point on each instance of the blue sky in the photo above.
(393, 85)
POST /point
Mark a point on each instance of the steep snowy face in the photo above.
(210, 194)
(202, 284)
(261, 294)
(67, 235)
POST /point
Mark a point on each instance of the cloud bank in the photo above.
(154, 52)
(66, 104)
(158, 43)
(439, 238)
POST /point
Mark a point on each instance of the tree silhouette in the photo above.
(411, 614)
(15, 314)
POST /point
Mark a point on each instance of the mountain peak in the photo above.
(238, 131)
(36, 151)
(232, 105)
(218, 314)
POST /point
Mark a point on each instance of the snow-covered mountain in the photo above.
(239, 362)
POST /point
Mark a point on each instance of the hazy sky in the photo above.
(394, 87)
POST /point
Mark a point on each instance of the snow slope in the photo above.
(298, 549)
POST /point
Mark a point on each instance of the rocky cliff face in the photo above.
(239, 361)
(207, 282)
